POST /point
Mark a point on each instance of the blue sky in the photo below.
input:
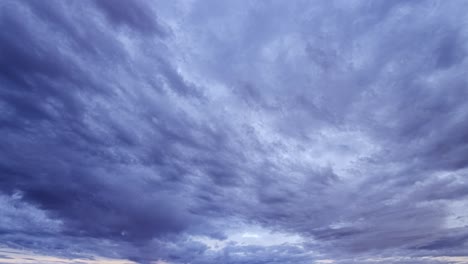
(238, 132)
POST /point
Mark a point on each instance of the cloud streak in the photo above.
(162, 131)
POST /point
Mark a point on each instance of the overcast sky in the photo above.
(234, 132)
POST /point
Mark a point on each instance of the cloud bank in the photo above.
(234, 132)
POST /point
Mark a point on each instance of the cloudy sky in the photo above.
(237, 131)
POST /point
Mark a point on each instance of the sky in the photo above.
(234, 131)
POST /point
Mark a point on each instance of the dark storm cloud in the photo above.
(152, 131)
(52, 154)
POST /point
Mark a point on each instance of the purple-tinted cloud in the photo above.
(234, 132)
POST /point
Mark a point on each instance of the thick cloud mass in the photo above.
(235, 131)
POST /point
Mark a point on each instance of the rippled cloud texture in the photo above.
(209, 131)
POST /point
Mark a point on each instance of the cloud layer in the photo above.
(236, 131)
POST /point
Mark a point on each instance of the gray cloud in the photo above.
(152, 131)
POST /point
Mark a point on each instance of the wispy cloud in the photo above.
(234, 132)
